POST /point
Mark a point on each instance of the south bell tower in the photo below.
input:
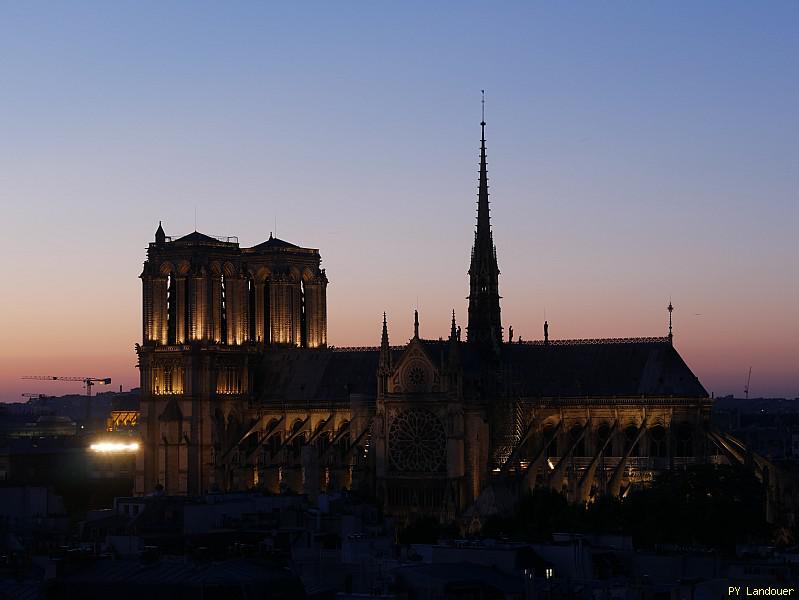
(211, 310)
(485, 326)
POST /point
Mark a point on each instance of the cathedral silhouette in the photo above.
(241, 391)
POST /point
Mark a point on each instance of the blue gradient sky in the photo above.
(637, 151)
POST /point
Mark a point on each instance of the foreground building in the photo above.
(239, 390)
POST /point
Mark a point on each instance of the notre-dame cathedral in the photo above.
(240, 390)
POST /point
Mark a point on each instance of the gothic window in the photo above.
(579, 448)
(416, 377)
(229, 380)
(299, 439)
(684, 440)
(167, 380)
(602, 435)
(629, 435)
(273, 444)
(417, 442)
(550, 439)
(657, 442)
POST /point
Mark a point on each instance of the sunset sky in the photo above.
(637, 151)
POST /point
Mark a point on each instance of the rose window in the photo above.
(416, 375)
(417, 442)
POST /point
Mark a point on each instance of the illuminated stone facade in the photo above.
(210, 309)
(240, 390)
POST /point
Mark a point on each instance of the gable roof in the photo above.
(274, 242)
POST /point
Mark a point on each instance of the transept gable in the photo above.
(415, 372)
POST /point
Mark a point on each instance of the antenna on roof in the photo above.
(195, 218)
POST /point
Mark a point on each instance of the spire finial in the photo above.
(483, 103)
(670, 308)
(416, 324)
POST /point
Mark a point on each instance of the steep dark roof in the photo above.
(624, 367)
(607, 368)
(603, 368)
(317, 375)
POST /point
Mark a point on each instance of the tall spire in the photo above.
(485, 326)
(416, 323)
(385, 349)
(384, 337)
(384, 361)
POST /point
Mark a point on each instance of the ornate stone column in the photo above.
(316, 311)
(279, 314)
(215, 309)
(236, 303)
(295, 313)
(198, 307)
(147, 309)
(159, 311)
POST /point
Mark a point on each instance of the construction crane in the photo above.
(88, 382)
(746, 387)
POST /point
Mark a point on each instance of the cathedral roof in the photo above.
(599, 368)
(579, 368)
(318, 375)
(605, 368)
